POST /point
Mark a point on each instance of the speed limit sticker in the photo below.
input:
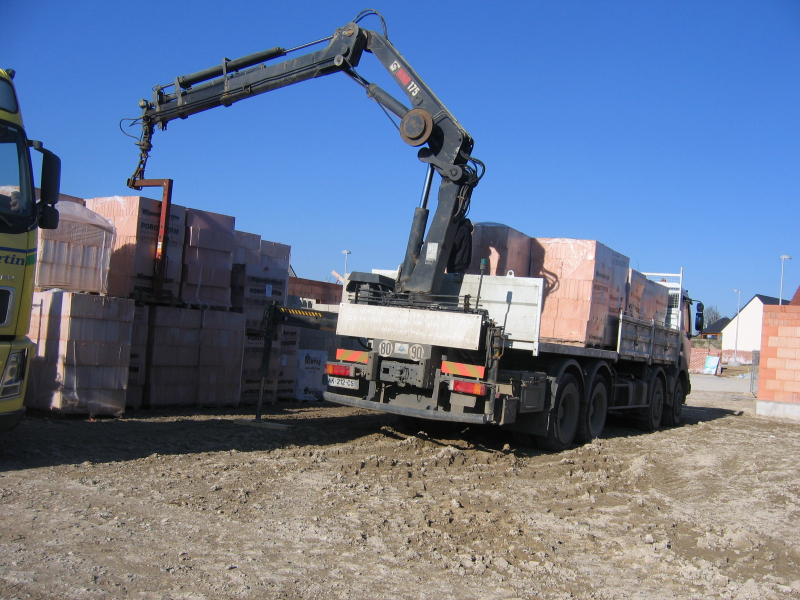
(385, 348)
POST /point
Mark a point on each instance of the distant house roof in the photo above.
(716, 327)
(766, 300)
(770, 300)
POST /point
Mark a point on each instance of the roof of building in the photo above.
(717, 326)
(770, 300)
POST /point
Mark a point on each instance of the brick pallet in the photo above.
(82, 355)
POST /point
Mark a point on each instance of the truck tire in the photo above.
(593, 411)
(563, 421)
(651, 418)
(673, 415)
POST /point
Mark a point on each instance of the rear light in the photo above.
(467, 387)
(340, 370)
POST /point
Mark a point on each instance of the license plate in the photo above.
(343, 382)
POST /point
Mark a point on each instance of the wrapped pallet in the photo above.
(246, 248)
(310, 374)
(207, 259)
(585, 290)
(220, 361)
(173, 356)
(82, 354)
(506, 250)
(137, 223)
(75, 257)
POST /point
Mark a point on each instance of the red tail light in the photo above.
(340, 370)
(468, 387)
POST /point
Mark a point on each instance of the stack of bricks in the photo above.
(173, 356)
(261, 278)
(647, 299)
(75, 256)
(585, 289)
(132, 266)
(220, 360)
(137, 368)
(504, 248)
(207, 259)
(82, 353)
(779, 370)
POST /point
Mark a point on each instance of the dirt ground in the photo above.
(349, 504)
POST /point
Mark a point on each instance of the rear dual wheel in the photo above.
(673, 415)
(650, 419)
(563, 421)
(593, 411)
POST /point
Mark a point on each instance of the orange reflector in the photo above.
(454, 368)
(352, 356)
(340, 370)
(468, 387)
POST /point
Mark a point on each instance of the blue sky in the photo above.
(669, 131)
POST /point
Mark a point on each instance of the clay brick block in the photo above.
(765, 374)
(790, 353)
(769, 330)
(769, 352)
(791, 386)
(785, 375)
(793, 365)
(773, 385)
(764, 395)
(776, 363)
(784, 331)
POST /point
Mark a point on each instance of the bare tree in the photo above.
(712, 315)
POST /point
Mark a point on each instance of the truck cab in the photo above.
(20, 215)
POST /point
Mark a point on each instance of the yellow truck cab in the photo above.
(20, 216)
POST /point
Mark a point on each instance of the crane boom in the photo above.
(446, 144)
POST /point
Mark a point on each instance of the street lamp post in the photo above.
(784, 258)
(345, 252)
(736, 341)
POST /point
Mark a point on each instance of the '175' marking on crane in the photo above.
(404, 78)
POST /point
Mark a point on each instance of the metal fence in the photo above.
(754, 372)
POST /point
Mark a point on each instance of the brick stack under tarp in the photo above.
(75, 257)
(137, 220)
(585, 287)
(173, 356)
(194, 357)
(646, 299)
(505, 249)
(137, 369)
(220, 361)
(207, 259)
(82, 354)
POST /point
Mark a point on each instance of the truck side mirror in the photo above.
(48, 216)
(51, 173)
(699, 323)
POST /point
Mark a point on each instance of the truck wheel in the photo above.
(592, 415)
(673, 415)
(651, 418)
(563, 416)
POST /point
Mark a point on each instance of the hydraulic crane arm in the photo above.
(427, 122)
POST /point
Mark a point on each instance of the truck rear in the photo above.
(475, 354)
